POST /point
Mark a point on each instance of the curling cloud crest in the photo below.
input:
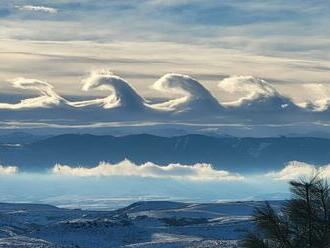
(295, 170)
(202, 172)
(320, 97)
(259, 93)
(195, 95)
(123, 95)
(254, 87)
(192, 102)
(48, 97)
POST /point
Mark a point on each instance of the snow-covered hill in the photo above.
(142, 224)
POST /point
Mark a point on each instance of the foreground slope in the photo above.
(142, 224)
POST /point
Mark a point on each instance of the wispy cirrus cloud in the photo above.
(38, 8)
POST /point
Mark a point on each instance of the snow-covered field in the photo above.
(142, 224)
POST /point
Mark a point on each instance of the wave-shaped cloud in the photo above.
(126, 168)
(123, 94)
(194, 95)
(259, 94)
(261, 102)
(8, 170)
(295, 170)
(321, 101)
(48, 97)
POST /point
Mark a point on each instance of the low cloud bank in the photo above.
(201, 172)
(296, 169)
(197, 172)
(8, 170)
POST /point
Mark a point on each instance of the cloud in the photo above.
(259, 94)
(123, 95)
(37, 8)
(296, 170)
(195, 95)
(8, 170)
(202, 172)
(249, 85)
(48, 97)
(34, 84)
(189, 102)
(319, 97)
(247, 26)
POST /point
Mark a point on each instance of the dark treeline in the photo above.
(302, 222)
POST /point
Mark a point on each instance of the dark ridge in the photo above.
(228, 153)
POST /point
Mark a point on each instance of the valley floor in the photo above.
(142, 224)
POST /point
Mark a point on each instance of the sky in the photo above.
(286, 43)
(250, 53)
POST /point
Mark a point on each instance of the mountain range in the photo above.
(246, 155)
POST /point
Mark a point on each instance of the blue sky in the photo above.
(285, 42)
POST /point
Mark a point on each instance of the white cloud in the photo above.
(195, 95)
(252, 87)
(48, 97)
(202, 172)
(258, 95)
(43, 9)
(145, 60)
(319, 99)
(8, 170)
(123, 95)
(296, 170)
(34, 84)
